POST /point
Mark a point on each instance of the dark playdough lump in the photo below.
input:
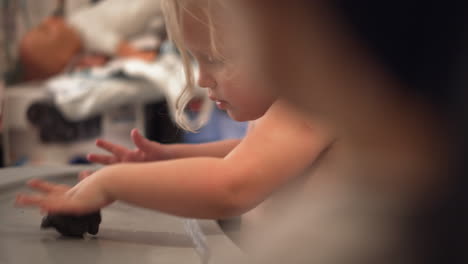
(74, 226)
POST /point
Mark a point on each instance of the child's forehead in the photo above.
(195, 28)
(200, 25)
(205, 11)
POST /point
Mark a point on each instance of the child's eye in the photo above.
(212, 60)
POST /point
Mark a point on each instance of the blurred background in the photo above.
(74, 71)
(390, 75)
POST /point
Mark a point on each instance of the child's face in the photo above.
(232, 89)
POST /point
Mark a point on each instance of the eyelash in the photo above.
(211, 60)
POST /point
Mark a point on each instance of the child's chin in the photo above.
(241, 117)
(235, 116)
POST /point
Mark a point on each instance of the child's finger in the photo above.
(111, 147)
(102, 159)
(141, 142)
(84, 174)
(47, 187)
(46, 205)
(28, 200)
(64, 206)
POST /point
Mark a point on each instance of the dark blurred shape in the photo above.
(79, 160)
(392, 77)
(425, 45)
(55, 128)
(159, 125)
(419, 42)
(73, 226)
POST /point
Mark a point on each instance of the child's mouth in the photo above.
(221, 104)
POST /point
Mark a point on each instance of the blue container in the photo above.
(219, 127)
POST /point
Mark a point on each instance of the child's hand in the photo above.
(85, 197)
(146, 151)
(84, 174)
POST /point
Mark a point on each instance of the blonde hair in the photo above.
(173, 11)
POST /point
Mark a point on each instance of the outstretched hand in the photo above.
(146, 150)
(85, 197)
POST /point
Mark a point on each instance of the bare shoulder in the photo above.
(286, 129)
(283, 116)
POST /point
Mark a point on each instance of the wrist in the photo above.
(104, 179)
(167, 152)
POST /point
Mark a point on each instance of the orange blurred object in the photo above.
(125, 49)
(92, 60)
(47, 49)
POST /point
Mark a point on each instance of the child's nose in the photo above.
(205, 80)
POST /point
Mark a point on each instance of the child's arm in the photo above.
(147, 150)
(218, 149)
(278, 149)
